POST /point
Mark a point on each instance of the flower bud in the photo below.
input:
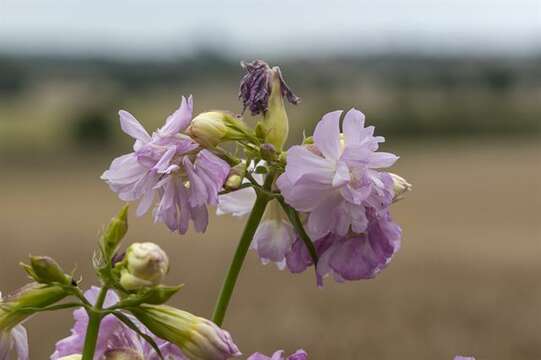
(198, 338)
(213, 127)
(26, 301)
(233, 182)
(236, 175)
(114, 233)
(46, 270)
(268, 152)
(400, 186)
(145, 264)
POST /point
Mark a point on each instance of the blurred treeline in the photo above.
(58, 103)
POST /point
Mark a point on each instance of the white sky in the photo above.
(161, 28)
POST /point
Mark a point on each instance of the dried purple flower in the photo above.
(256, 86)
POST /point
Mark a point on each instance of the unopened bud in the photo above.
(400, 186)
(46, 270)
(114, 233)
(199, 338)
(233, 182)
(268, 152)
(213, 127)
(145, 264)
(28, 300)
(236, 175)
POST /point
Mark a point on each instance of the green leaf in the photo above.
(155, 295)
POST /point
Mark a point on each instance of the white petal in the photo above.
(301, 161)
(237, 203)
(20, 342)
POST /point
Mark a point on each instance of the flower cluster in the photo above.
(169, 165)
(323, 203)
(334, 181)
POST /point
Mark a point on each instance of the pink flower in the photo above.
(336, 179)
(274, 235)
(170, 165)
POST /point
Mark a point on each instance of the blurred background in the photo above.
(454, 86)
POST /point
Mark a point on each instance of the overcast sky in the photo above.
(163, 28)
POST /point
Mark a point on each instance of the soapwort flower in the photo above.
(170, 165)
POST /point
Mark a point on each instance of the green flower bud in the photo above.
(236, 175)
(26, 301)
(268, 152)
(46, 270)
(145, 264)
(400, 186)
(114, 233)
(198, 338)
(213, 127)
(233, 182)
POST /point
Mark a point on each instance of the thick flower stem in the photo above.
(238, 259)
(93, 328)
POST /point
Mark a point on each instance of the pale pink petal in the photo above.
(327, 135)
(145, 203)
(380, 160)
(179, 120)
(353, 126)
(165, 161)
(305, 195)
(323, 218)
(237, 203)
(132, 127)
(341, 177)
(200, 217)
(301, 161)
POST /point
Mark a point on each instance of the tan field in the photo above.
(466, 281)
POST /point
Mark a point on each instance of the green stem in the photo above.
(293, 216)
(93, 328)
(238, 259)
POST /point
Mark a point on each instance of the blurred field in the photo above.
(465, 281)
